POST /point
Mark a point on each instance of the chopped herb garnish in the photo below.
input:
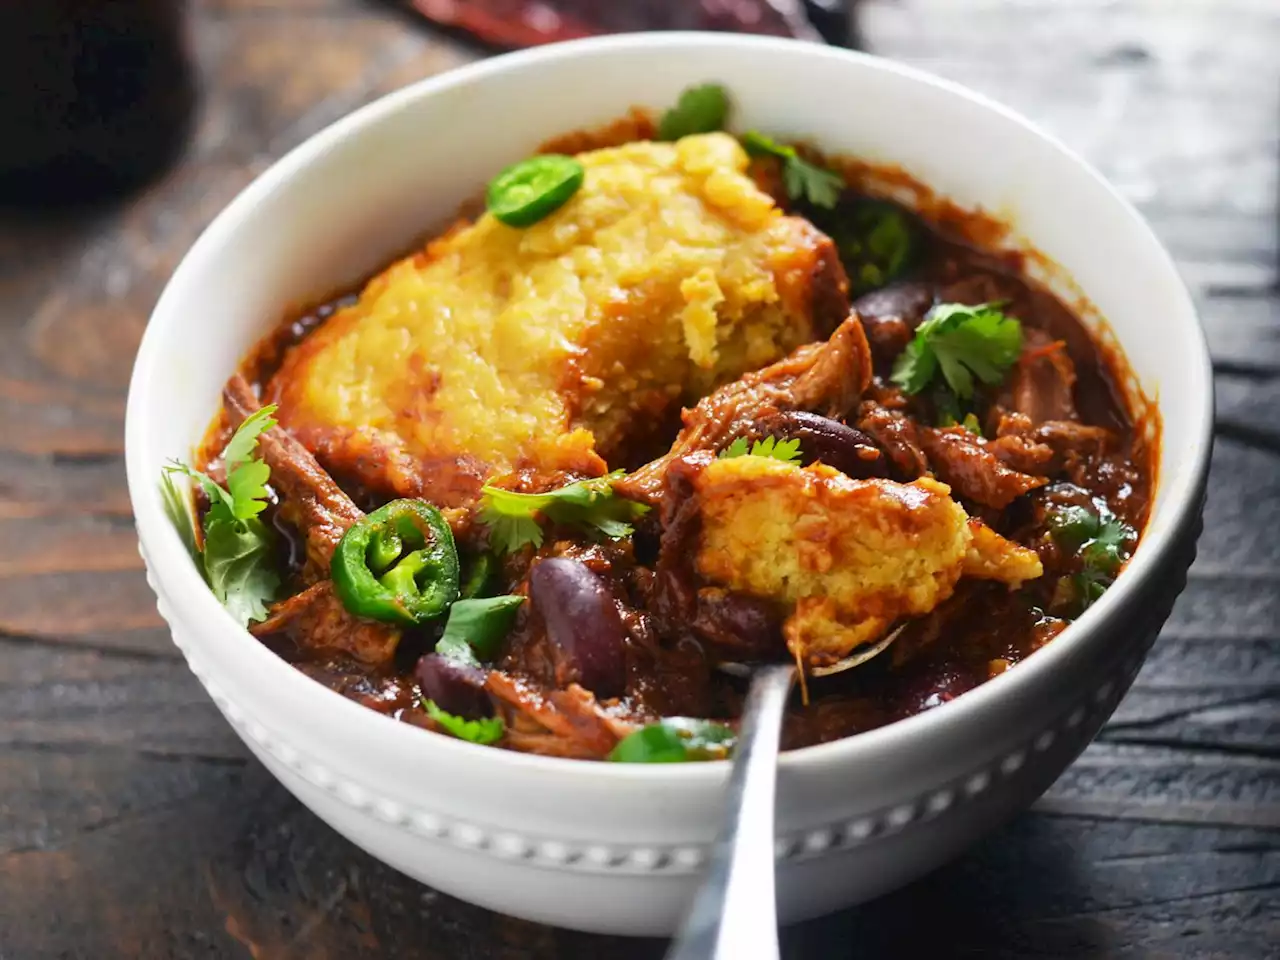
(1072, 525)
(676, 740)
(239, 562)
(803, 180)
(238, 559)
(476, 628)
(1107, 551)
(513, 518)
(484, 732)
(877, 240)
(177, 504)
(951, 414)
(961, 342)
(787, 451)
(1101, 540)
(700, 109)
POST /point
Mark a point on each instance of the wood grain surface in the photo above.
(134, 824)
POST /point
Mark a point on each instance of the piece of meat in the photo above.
(312, 501)
(525, 23)
(846, 558)
(971, 287)
(317, 623)
(387, 692)
(1017, 446)
(896, 435)
(1069, 437)
(1043, 380)
(568, 723)
(826, 377)
(962, 460)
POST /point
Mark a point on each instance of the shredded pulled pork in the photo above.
(316, 622)
(827, 377)
(313, 502)
(963, 461)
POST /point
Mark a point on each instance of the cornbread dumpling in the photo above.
(494, 349)
(848, 557)
(992, 557)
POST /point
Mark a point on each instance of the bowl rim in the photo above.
(178, 581)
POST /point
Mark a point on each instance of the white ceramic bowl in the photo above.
(617, 848)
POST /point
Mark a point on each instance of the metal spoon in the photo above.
(734, 913)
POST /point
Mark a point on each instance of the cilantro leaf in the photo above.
(508, 534)
(788, 451)
(806, 180)
(1073, 525)
(177, 504)
(1102, 542)
(483, 732)
(803, 180)
(247, 486)
(240, 564)
(477, 627)
(244, 441)
(221, 506)
(238, 559)
(513, 517)
(700, 109)
(915, 366)
(1107, 552)
(962, 342)
(676, 740)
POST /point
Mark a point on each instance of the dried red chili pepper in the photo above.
(527, 23)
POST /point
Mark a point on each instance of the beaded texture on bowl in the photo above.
(1067, 732)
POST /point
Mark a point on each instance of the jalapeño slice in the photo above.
(525, 192)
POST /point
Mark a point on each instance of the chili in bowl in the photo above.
(713, 373)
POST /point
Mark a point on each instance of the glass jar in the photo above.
(96, 96)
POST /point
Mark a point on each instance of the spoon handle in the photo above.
(734, 913)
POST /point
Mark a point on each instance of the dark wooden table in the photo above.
(134, 824)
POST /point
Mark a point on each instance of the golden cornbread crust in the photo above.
(848, 557)
(496, 349)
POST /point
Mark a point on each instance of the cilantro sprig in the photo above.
(1101, 541)
(960, 342)
(788, 451)
(700, 109)
(484, 732)
(803, 180)
(676, 740)
(237, 558)
(513, 518)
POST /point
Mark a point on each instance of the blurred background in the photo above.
(132, 821)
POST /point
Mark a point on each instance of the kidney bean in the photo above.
(907, 301)
(583, 623)
(738, 626)
(934, 687)
(890, 316)
(455, 687)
